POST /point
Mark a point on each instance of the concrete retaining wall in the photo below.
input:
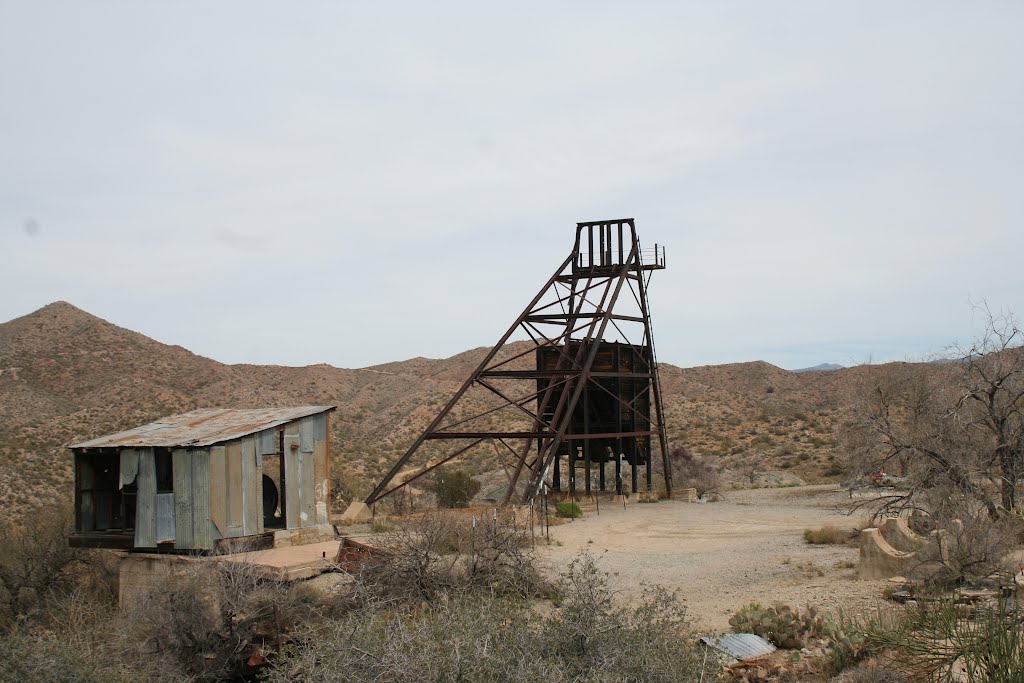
(879, 560)
(898, 534)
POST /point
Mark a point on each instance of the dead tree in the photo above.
(953, 428)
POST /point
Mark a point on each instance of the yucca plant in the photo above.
(943, 640)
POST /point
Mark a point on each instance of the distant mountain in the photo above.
(67, 376)
(824, 367)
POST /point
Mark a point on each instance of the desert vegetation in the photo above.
(952, 445)
(450, 596)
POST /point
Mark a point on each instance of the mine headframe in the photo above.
(581, 385)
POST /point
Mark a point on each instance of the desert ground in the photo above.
(720, 556)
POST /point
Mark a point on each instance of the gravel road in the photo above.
(748, 547)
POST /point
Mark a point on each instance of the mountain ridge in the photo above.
(67, 375)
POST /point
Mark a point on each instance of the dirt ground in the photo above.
(720, 556)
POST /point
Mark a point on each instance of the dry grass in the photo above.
(827, 535)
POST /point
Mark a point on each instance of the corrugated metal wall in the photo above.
(145, 502)
(218, 491)
(307, 488)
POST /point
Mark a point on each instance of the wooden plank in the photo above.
(201, 536)
(145, 501)
(233, 489)
(322, 486)
(292, 482)
(218, 489)
(250, 507)
(182, 464)
(307, 485)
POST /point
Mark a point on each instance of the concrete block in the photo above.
(879, 560)
(899, 535)
(685, 495)
(141, 575)
(358, 512)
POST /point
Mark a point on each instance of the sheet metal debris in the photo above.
(203, 427)
(738, 647)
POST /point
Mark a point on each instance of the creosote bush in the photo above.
(441, 553)
(568, 509)
(476, 637)
(454, 489)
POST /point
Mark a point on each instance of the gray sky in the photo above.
(355, 183)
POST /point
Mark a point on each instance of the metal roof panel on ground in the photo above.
(738, 647)
(203, 427)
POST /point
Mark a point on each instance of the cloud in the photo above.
(825, 176)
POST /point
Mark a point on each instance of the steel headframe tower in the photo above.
(584, 397)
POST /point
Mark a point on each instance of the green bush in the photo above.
(454, 489)
(568, 509)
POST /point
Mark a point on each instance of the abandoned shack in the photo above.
(209, 479)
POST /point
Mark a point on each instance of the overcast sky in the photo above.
(355, 183)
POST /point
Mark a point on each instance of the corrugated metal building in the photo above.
(196, 481)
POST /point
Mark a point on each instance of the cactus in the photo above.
(780, 624)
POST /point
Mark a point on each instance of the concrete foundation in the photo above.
(882, 553)
(286, 538)
(879, 560)
(899, 535)
(140, 574)
(358, 512)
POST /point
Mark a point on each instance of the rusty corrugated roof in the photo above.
(203, 427)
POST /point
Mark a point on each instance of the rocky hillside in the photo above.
(66, 375)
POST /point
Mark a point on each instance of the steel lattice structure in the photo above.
(583, 388)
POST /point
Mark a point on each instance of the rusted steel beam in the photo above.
(542, 374)
(595, 343)
(572, 314)
(558, 317)
(397, 467)
(427, 469)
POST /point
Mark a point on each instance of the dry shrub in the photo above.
(872, 673)
(34, 560)
(32, 656)
(938, 641)
(972, 546)
(474, 637)
(442, 553)
(212, 617)
(693, 471)
(594, 637)
(827, 535)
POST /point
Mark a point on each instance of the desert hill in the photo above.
(66, 375)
